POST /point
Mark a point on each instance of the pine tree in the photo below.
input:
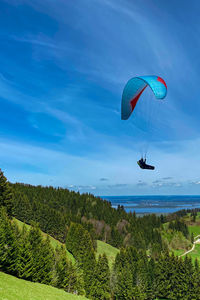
(162, 283)
(192, 238)
(73, 237)
(22, 207)
(46, 261)
(80, 244)
(196, 264)
(68, 277)
(8, 244)
(115, 238)
(194, 217)
(100, 288)
(124, 283)
(24, 263)
(142, 277)
(124, 286)
(88, 265)
(6, 196)
(150, 279)
(36, 242)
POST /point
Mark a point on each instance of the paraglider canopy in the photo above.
(134, 89)
(131, 94)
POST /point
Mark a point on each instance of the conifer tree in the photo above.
(36, 242)
(72, 240)
(196, 264)
(46, 261)
(124, 286)
(24, 263)
(150, 279)
(88, 261)
(6, 196)
(181, 288)
(100, 288)
(8, 244)
(68, 277)
(163, 271)
(79, 242)
(115, 238)
(124, 282)
(142, 277)
(194, 217)
(22, 207)
(192, 238)
(196, 280)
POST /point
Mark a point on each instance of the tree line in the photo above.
(135, 274)
(27, 255)
(55, 208)
(143, 269)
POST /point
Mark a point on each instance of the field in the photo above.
(109, 250)
(178, 252)
(12, 288)
(54, 243)
(194, 229)
(102, 247)
(195, 253)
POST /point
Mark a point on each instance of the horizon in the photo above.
(61, 83)
(123, 195)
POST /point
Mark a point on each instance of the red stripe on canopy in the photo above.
(133, 102)
(162, 81)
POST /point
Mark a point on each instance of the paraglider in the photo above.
(142, 164)
(131, 94)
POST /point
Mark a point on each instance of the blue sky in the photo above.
(63, 66)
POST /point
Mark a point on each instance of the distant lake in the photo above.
(154, 204)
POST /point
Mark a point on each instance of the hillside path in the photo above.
(196, 240)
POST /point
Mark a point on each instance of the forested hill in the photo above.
(142, 269)
(55, 208)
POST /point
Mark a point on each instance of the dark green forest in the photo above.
(143, 269)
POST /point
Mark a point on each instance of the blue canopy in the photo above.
(135, 87)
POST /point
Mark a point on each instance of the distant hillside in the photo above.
(102, 247)
(54, 209)
(12, 288)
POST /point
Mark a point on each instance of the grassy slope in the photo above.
(54, 242)
(102, 247)
(178, 252)
(12, 288)
(195, 253)
(176, 241)
(195, 229)
(109, 250)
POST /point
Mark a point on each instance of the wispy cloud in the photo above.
(195, 182)
(81, 187)
(39, 40)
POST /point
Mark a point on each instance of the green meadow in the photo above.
(54, 243)
(12, 288)
(178, 252)
(194, 229)
(109, 250)
(102, 247)
(195, 253)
